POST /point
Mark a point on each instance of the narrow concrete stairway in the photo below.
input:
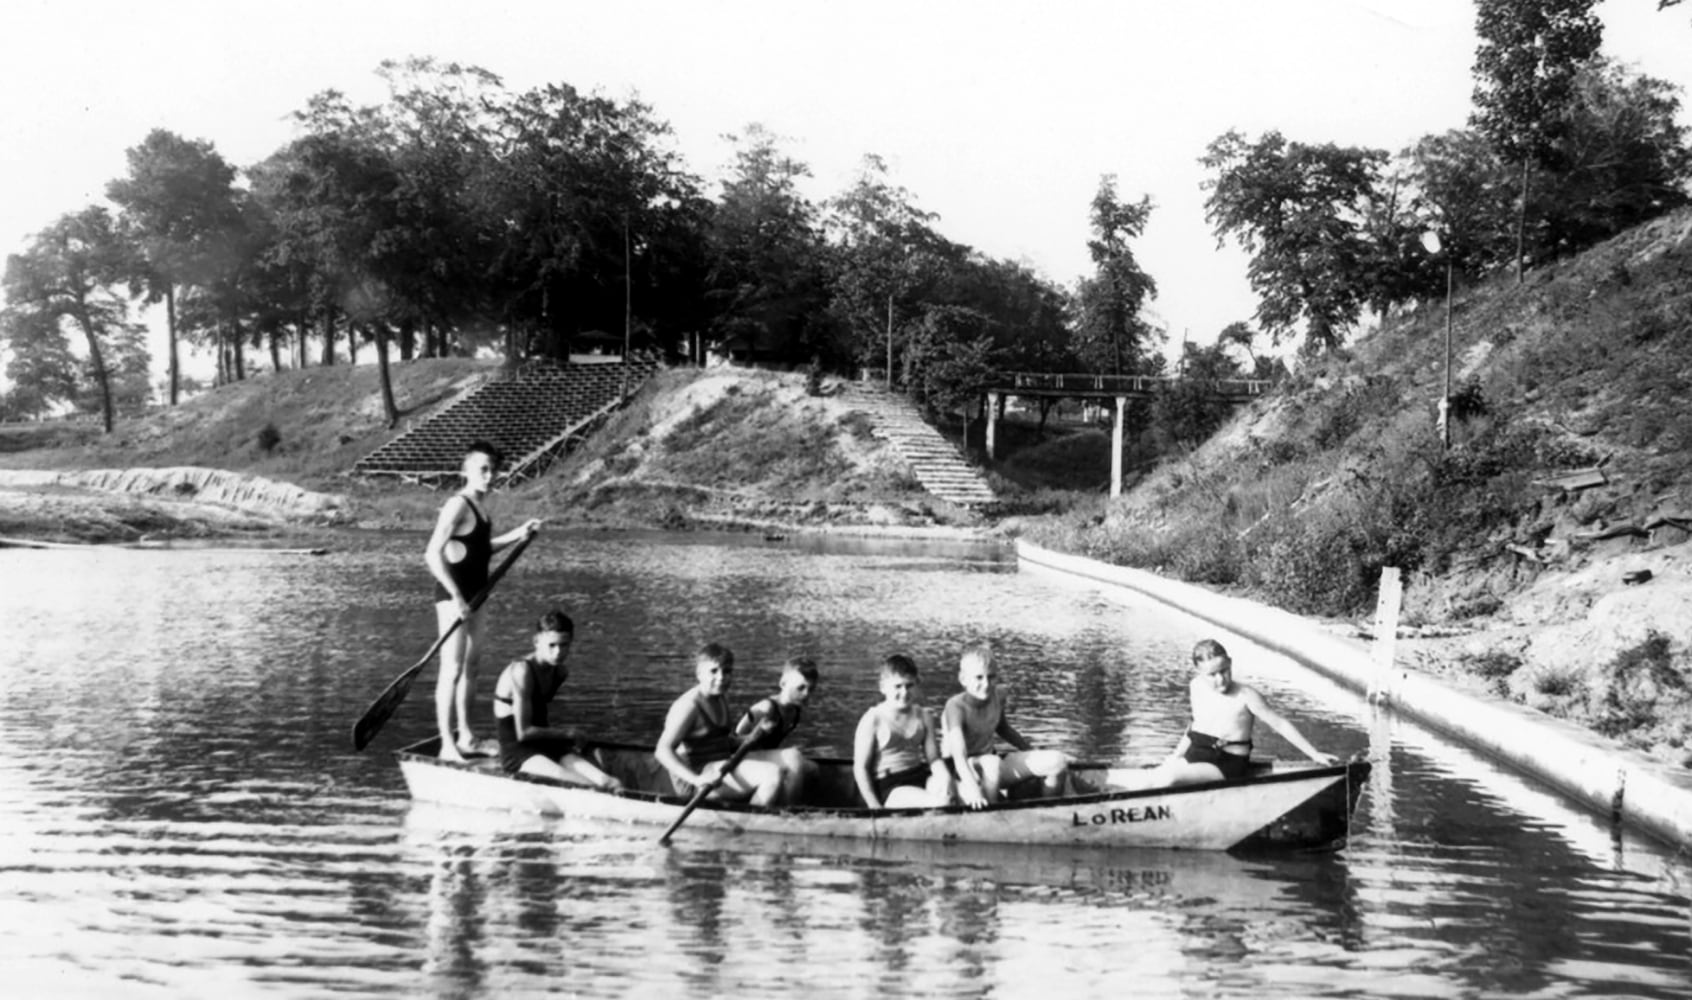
(936, 464)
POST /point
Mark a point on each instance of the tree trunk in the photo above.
(237, 340)
(388, 405)
(276, 347)
(890, 342)
(97, 361)
(407, 338)
(175, 361)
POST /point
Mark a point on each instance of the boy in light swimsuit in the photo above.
(528, 742)
(895, 752)
(973, 718)
(457, 555)
(1218, 744)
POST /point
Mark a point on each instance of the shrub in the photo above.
(1636, 685)
(268, 438)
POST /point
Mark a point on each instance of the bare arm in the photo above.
(1008, 733)
(1261, 708)
(956, 747)
(753, 718)
(863, 759)
(931, 744)
(676, 725)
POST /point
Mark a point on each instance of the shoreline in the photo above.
(1629, 787)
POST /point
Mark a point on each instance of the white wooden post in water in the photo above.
(1385, 684)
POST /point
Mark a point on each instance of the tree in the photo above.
(1525, 66)
(768, 280)
(177, 203)
(1111, 334)
(71, 271)
(884, 251)
(1298, 210)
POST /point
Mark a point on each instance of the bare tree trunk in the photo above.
(97, 361)
(237, 339)
(388, 405)
(276, 347)
(328, 336)
(175, 360)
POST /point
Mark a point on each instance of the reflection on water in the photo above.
(180, 814)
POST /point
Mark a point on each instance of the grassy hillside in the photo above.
(1310, 492)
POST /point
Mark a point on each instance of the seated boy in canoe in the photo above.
(1218, 744)
(528, 743)
(896, 752)
(769, 722)
(973, 718)
(698, 738)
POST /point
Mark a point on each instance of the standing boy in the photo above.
(973, 718)
(457, 555)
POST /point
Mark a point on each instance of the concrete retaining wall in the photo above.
(1632, 788)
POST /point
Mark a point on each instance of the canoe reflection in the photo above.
(513, 898)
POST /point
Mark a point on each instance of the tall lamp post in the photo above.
(1431, 243)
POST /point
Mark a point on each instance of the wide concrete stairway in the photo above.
(937, 465)
(534, 415)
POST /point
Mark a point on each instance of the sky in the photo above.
(999, 117)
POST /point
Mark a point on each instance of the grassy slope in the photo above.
(1307, 494)
(693, 448)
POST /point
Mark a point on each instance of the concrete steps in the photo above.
(533, 415)
(935, 463)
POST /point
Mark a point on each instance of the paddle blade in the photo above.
(383, 708)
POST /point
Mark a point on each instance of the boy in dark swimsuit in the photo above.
(699, 736)
(771, 721)
(1218, 744)
(457, 555)
(528, 742)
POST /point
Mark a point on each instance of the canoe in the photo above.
(1277, 806)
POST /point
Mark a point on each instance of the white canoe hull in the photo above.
(1277, 807)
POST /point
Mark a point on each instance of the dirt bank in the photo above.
(110, 505)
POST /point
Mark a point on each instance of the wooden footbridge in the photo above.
(1120, 388)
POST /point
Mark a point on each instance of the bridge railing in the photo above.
(1081, 383)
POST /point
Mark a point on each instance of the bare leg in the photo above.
(447, 681)
(465, 691)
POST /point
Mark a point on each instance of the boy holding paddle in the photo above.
(698, 739)
(458, 554)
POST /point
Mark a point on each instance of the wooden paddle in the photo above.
(382, 709)
(710, 786)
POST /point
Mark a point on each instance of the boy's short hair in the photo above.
(1210, 649)
(717, 653)
(899, 665)
(487, 448)
(804, 666)
(976, 651)
(555, 621)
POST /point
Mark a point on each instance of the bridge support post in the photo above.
(992, 424)
(1116, 446)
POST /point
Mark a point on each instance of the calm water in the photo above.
(181, 815)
